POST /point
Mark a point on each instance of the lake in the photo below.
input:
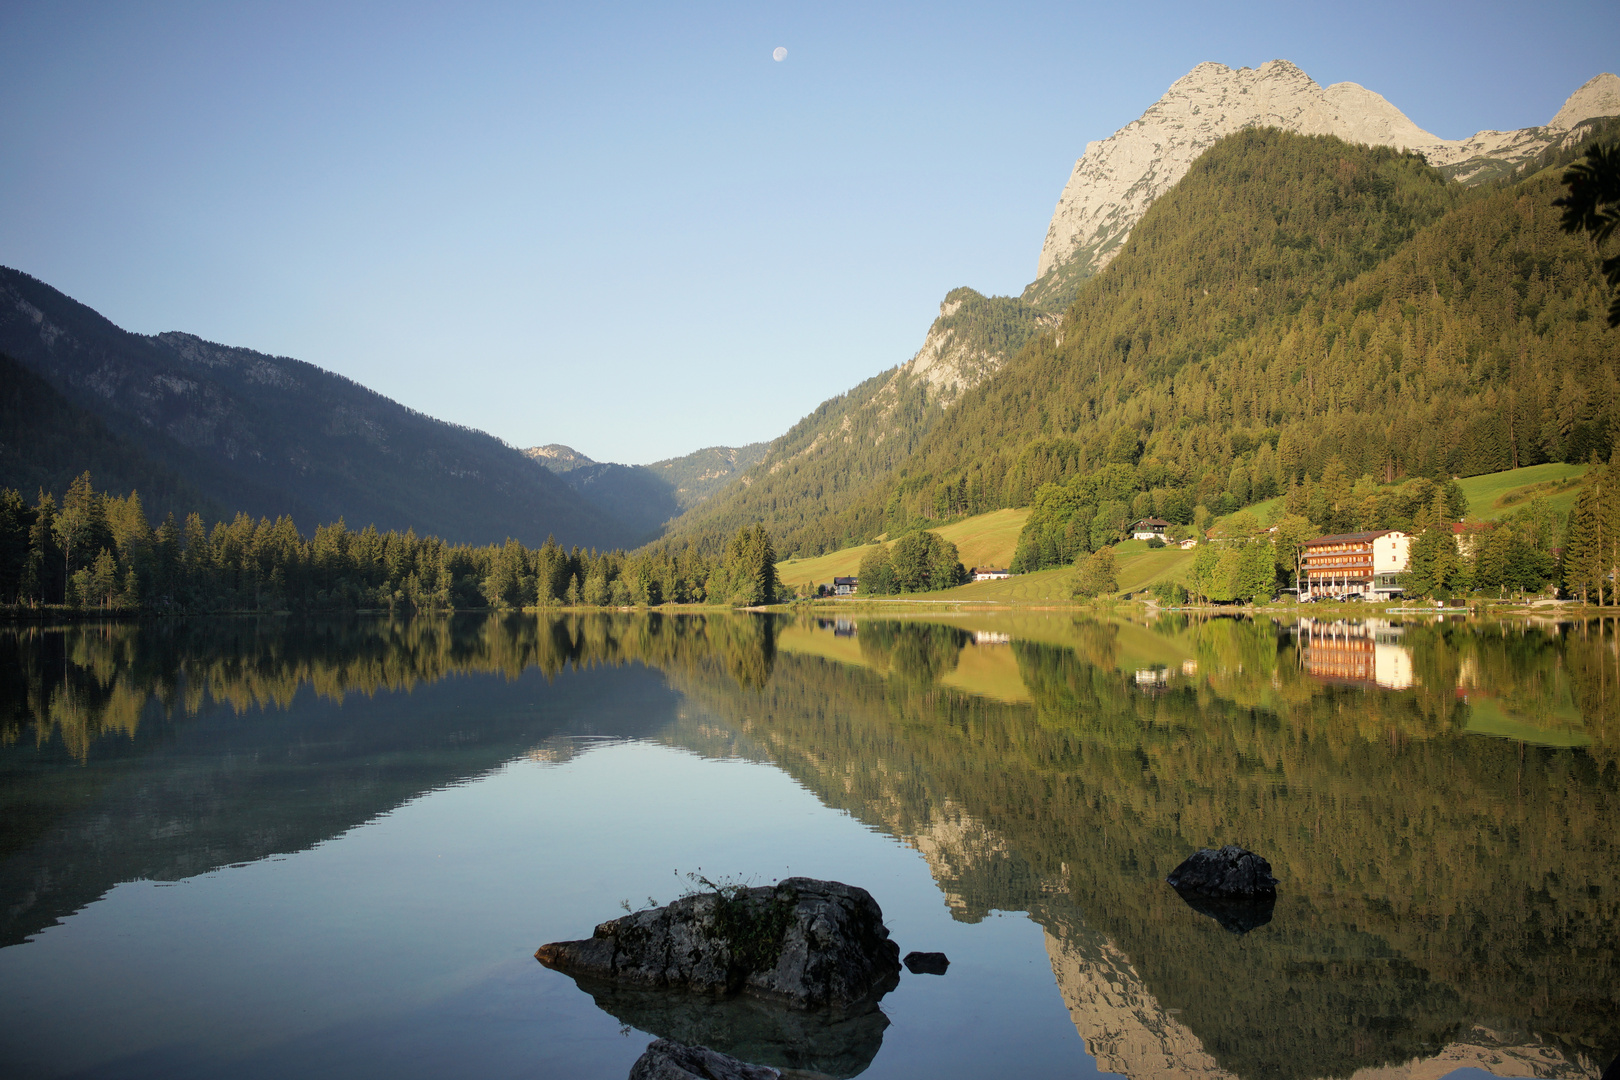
(272, 847)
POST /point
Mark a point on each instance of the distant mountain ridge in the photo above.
(270, 435)
(1118, 178)
(646, 497)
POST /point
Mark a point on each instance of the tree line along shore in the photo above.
(98, 552)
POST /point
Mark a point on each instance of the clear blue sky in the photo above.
(627, 228)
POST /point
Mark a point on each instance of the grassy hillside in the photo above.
(984, 540)
(1496, 495)
(1041, 587)
(821, 569)
(1137, 566)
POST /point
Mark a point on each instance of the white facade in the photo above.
(1390, 553)
(1391, 556)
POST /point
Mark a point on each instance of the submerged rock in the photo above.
(666, 1060)
(927, 963)
(805, 943)
(1232, 872)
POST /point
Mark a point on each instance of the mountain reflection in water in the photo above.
(1438, 798)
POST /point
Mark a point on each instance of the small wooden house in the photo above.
(1149, 529)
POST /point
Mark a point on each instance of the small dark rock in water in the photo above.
(805, 943)
(926, 963)
(665, 1060)
(1232, 872)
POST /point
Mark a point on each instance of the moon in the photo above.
(779, 54)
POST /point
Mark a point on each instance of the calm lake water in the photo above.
(267, 848)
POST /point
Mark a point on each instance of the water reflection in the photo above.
(765, 1033)
(1369, 652)
(1437, 797)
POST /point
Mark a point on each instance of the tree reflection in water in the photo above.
(1444, 834)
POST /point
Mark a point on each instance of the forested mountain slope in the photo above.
(46, 441)
(1118, 178)
(702, 474)
(646, 497)
(813, 487)
(271, 435)
(1294, 300)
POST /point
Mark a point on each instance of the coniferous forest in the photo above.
(98, 551)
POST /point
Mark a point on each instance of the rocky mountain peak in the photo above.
(1598, 96)
(1117, 178)
(558, 458)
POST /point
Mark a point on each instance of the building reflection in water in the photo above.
(1366, 652)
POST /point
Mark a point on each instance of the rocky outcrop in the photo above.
(806, 943)
(1118, 178)
(972, 339)
(665, 1060)
(558, 458)
(1232, 886)
(1231, 873)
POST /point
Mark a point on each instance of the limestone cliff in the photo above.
(972, 338)
(1116, 179)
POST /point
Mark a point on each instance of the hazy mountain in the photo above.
(1118, 178)
(645, 497)
(558, 458)
(701, 474)
(270, 435)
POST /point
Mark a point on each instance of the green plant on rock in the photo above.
(752, 926)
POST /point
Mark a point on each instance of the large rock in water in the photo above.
(1232, 886)
(806, 943)
(665, 1060)
(1232, 873)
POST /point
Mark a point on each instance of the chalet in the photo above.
(1149, 529)
(845, 586)
(1189, 543)
(1363, 565)
(989, 573)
